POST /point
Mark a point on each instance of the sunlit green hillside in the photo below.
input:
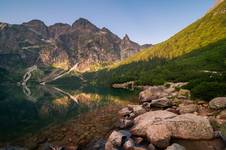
(197, 54)
(209, 29)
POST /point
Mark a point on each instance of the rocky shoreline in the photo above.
(168, 119)
(165, 119)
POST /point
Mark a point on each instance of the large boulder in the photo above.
(160, 126)
(117, 139)
(152, 93)
(142, 122)
(190, 126)
(218, 103)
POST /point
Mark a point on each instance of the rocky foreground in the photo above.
(167, 117)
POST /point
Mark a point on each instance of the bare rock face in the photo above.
(160, 126)
(16, 37)
(128, 47)
(218, 103)
(83, 24)
(57, 29)
(38, 27)
(61, 45)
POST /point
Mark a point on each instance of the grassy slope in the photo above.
(184, 57)
(209, 29)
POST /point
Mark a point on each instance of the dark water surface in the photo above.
(27, 111)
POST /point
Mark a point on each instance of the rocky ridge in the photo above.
(61, 45)
(168, 119)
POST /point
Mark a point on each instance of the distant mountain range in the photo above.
(61, 45)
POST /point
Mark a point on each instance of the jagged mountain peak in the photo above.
(62, 45)
(83, 24)
(34, 22)
(38, 27)
(104, 29)
(128, 47)
(126, 38)
(58, 29)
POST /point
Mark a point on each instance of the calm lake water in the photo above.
(28, 111)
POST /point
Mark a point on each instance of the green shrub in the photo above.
(209, 90)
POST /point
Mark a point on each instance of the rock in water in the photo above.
(152, 93)
(218, 103)
(175, 146)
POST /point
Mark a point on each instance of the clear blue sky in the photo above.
(145, 21)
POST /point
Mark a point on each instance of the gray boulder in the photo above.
(218, 103)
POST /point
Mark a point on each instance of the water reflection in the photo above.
(28, 110)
